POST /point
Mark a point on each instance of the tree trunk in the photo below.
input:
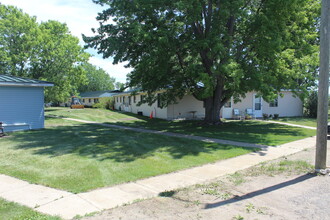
(213, 106)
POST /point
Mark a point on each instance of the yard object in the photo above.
(249, 112)
(75, 103)
(237, 114)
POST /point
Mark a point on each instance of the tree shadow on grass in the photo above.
(104, 143)
(243, 131)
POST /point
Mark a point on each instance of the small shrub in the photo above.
(310, 105)
(265, 116)
(276, 116)
(105, 103)
(248, 117)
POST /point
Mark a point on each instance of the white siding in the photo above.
(184, 107)
(288, 106)
(22, 105)
(124, 105)
(245, 103)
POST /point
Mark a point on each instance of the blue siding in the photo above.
(22, 105)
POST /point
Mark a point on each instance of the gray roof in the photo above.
(98, 94)
(7, 80)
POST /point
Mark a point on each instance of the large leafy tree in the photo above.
(45, 51)
(213, 49)
(97, 79)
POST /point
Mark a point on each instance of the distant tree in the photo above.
(45, 51)
(97, 79)
(119, 85)
(310, 104)
(212, 49)
(18, 38)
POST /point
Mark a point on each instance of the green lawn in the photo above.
(299, 121)
(246, 131)
(79, 157)
(14, 211)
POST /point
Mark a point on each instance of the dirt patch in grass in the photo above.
(280, 189)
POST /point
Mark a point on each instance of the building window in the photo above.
(142, 97)
(134, 99)
(84, 100)
(96, 100)
(120, 98)
(274, 103)
(227, 104)
(89, 100)
(117, 99)
(129, 100)
(123, 99)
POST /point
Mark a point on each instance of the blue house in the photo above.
(21, 103)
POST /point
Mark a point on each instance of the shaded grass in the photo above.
(14, 211)
(244, 131)
(79, 157)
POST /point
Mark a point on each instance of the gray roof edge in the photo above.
(27, 84)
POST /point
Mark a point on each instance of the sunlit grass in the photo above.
(14, 211)
(79, 157)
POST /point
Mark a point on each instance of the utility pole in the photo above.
(322, 106)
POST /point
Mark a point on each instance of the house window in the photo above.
(142, 97)
(134, 99)
(120, 98)
(83, 100)
(227, 104)
(117, 99)
(89, 100)
(96, 100)
(123, 99)
(274, 103)
(129, 100)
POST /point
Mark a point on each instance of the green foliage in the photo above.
(97, 79)
(212, 49)
(311, 105)
(45, 51)
(105, 103)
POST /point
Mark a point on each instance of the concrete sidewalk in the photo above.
(289, 124)
(67, 205)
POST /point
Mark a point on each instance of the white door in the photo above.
(227, 109)
(257, 105)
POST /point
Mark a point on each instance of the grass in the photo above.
(311, 122)
(245, 131)
(284, 166)
(79, 157)
(14, 211)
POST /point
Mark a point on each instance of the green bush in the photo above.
(105, 103)
(311, 105)
(265, 116)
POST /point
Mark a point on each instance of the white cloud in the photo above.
(79, 15)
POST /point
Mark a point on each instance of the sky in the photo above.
(80, 16)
